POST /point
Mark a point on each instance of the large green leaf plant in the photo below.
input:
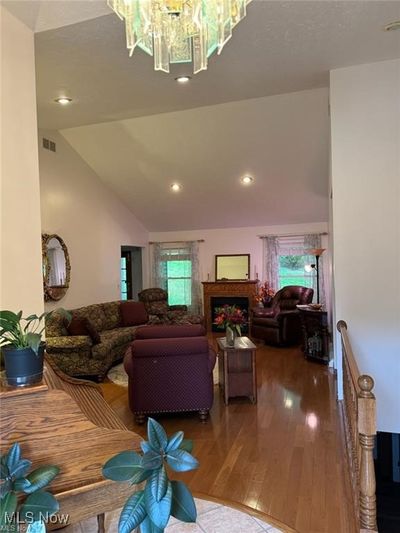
(151, 507)
(14, 479)
(20, 332)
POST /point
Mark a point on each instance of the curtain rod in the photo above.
(173, 242)
(293, 234)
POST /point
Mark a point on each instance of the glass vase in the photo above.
(231, 335)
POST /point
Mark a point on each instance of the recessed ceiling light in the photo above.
(183, 79)
(246, 180)
(176, 187)
(63, 100)
(393, 26)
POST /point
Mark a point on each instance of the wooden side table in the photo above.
(314, 325)
(237, 368)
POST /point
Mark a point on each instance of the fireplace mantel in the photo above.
(227, 288)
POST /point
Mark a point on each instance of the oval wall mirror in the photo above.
(56, 267)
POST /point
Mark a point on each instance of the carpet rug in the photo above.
(117, 375)
(211, 518)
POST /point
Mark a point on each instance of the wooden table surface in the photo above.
(241, 343)
(51, 429)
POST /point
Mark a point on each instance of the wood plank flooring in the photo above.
(283, 456)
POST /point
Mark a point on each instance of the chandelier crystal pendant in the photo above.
(179, 31)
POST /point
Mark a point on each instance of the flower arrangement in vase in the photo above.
(265, 293)
(231, 318)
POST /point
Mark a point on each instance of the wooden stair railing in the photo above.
(359, 413)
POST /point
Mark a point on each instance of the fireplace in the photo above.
(230, 292)
(241, 302)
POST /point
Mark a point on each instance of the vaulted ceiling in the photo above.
(282, 141)
(260, 108)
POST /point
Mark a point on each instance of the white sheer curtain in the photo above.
(196, 284)
(176, 269)
(271, 261)
(159, 270)
(295, 245)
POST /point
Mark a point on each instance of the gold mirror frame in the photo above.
(54, 292)
(236, 267)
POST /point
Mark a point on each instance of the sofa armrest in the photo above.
(68, 344)
(264, 312)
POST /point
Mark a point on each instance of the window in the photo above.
(291, 271)
(176, 273)
(291, 262)
(175, 268)
(179, 282)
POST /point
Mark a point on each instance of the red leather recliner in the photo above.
(279, 323)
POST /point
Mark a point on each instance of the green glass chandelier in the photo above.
(179, 31)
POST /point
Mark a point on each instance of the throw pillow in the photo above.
(82, 326)
(133, 313)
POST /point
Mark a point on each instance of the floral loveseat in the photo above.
(109, 328)
(81, 355)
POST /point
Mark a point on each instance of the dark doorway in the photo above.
(387, 468)
(131, 272)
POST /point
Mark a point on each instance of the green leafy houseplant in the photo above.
(152, 507)
(14, 333)
(14, 479)
(22, 346)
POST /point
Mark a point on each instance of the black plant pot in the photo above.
(23, 366)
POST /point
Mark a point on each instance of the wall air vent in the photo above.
(49, 145)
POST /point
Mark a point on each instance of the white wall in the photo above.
(21, 278)
(91, 220)
(365, 114)
(236, 241)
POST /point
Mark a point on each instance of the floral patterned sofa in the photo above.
(110, 329)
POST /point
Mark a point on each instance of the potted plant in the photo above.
(231, 318)
(22, 347)
(14, 478)
(151, 507)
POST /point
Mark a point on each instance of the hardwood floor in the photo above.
(283, 456)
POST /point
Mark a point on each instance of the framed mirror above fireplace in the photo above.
(232, 267)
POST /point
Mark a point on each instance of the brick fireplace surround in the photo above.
(227, 289)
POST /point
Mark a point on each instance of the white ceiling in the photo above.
(280, 140)
(279, 47)
(139, 130)
(41, 15)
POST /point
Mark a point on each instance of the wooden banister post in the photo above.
(367, 431)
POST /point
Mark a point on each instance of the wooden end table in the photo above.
(237, 368)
